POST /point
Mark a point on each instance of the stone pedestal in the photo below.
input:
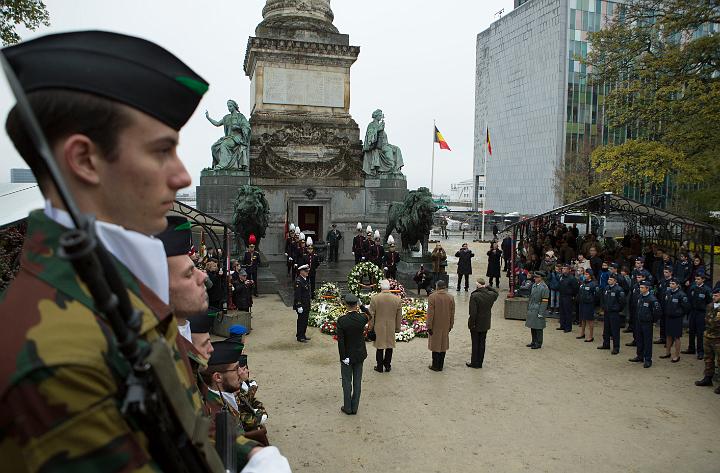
(222, 324)
(516, 308)
(217, 191)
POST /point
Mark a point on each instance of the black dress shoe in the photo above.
(689, 351)
(591, 340)
(471, 365)
(615, 352)
(431, 367)
(568, 331)
(530, 345)
(560, 328)
(387, 368)
(379, 369)
(631, 344)
(342, 409)
(647, 364)
(603, 347)
(665, 356)
(580, 336)
(536, 347)
(706, 381)
(637, 359)
(675, 360)
(301, 340)
(700, 357)
(307, 339)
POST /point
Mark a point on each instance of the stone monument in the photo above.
(305, 148)
(230, 168)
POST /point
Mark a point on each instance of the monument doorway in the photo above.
(310, 220)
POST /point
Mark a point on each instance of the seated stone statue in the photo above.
(379, 156)
(232, 151)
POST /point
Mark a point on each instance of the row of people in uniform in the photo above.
(370, 248)
(665, 303)
(300, 251)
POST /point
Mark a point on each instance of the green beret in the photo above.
(123, 68)
(225, 353)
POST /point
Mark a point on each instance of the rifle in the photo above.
(153, 397)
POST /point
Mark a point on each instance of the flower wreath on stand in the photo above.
(365, 275)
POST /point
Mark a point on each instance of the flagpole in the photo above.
(432, 166)
(482, 227)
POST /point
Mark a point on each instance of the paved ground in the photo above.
(566, 407)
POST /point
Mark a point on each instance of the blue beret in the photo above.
(238, 330)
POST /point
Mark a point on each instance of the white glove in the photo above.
(385, 268)
(244, 387)
(286, 254)
(267, 459)
(540, 316)
(253, 383)
(346, 361)
(263, 419)
(353, 253)
(299, 310)
(290, 259)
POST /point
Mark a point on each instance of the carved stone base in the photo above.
(216, 193)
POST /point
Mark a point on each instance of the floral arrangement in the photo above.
(329, 327)
(405, 334)
(360, 274)
(396, 286)
(329, 291)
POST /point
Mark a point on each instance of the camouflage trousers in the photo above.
(712, 356)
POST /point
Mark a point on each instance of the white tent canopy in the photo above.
(17, 200)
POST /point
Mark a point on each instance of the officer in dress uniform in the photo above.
(613, 301)
(333, 238)
(712, 341)
(390, 260)
(357, 245)
(301, 303)
(675, 308)
(367, 243)
(312, 260)
(251, 259)
(377, 251)
(289, 241)
(647, 310)
(662, 287)
(700, 296)
(587, 299)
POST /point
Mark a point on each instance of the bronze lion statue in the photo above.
(412, 218)
(251, 214)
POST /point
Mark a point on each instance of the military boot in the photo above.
(706, 381)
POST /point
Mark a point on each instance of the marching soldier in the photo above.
(301, 303)
(647, 311)
(357, 245)
(391, 259)
(712, 341)
(333, 238)
(114, 105)
(700, 296)
(613, 301)
(251, 259)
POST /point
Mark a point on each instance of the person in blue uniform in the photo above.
(587, 299)
(632, 305)
(647, 310)
(301, 303)
(675, 307)
(568, 289)
(700, 296)
(662, 287)
(613, 301)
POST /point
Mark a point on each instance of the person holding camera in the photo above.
(464, 257)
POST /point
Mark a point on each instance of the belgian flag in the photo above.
(440, 140)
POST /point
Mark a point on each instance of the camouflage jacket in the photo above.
(712, 322)
(60, 367)
(251, 410)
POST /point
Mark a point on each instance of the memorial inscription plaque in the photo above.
(303, 87)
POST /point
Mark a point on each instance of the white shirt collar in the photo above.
(185, 331)
(229, 398)
(143, 255)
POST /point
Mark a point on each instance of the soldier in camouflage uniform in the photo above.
(712, 341)
(61, 371)
(252, 412)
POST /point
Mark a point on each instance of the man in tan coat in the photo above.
(385, 318)
(440, 320)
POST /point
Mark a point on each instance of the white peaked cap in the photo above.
(309, 241)
(369, 229)
(359, 226)
(292, 227)
(377, 234)
(391, 240)
(297, 230)
(302, 236)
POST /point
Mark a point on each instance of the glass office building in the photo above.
(532, 95)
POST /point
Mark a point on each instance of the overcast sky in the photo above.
(417, 63)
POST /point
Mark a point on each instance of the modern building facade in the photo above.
(462, 193)
(22, 176)
(532, 95)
